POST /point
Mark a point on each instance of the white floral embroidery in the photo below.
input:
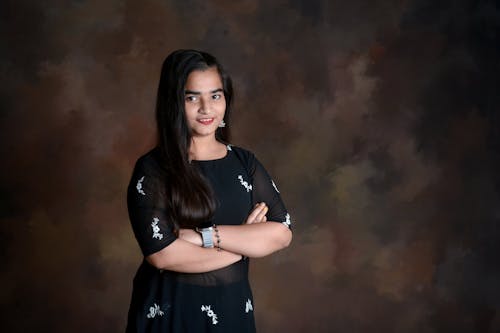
(229, 147)
(154, 311)
(210, 313)
(287, 221)
(244, 183)
(156, 228)
(248, 306)
(139, 186)
(274, 185)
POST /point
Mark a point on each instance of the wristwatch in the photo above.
(206, 236)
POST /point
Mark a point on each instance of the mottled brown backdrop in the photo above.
(377, 119)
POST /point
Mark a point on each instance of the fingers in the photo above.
(258, 213)
(262, 214)
(254, 213)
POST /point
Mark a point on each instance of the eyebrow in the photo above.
(191, 92)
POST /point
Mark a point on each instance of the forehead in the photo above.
(204, 80)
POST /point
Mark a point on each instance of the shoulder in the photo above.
(148, 163)
(245, 156)
(242, 153)
(240, 150)
(147, 175)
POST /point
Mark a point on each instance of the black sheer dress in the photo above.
(216, 301)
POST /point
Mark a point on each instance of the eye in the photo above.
(191, 98)
(216, 96)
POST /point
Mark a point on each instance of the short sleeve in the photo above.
(266, 190)
(146, 203)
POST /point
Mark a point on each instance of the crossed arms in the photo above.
(256, 238)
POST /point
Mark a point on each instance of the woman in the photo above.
(199, 208)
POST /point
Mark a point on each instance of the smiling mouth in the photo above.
(206, 121)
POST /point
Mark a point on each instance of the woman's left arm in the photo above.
(251, 240)
(255, 240)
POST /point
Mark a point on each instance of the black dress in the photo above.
(216, 301)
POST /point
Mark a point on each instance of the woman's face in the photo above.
(204, 101)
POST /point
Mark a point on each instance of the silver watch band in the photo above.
(207, 236)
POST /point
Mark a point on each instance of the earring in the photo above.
(222, 123)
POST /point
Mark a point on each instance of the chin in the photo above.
(203, 133)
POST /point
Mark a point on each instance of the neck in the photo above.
(202, 147)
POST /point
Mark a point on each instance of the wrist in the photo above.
(216, 238)
(207, 235)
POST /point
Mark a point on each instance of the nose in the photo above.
(204, 106)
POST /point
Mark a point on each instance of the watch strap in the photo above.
(207, 236)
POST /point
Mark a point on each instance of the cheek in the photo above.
(223, 106)
(190, 114)
(190, 108)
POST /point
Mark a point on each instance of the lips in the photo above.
(205, 121)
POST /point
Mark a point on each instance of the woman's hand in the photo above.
(191, 236)
(258, 214)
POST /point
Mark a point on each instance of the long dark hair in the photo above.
(189, 197)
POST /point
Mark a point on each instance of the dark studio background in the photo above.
(377, 119)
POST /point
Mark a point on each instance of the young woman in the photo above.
(199, 208)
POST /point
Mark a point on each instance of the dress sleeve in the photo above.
(265, 190)
(147, 208)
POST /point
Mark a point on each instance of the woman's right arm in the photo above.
(182, 256)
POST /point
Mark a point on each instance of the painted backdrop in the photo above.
(377, 119)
